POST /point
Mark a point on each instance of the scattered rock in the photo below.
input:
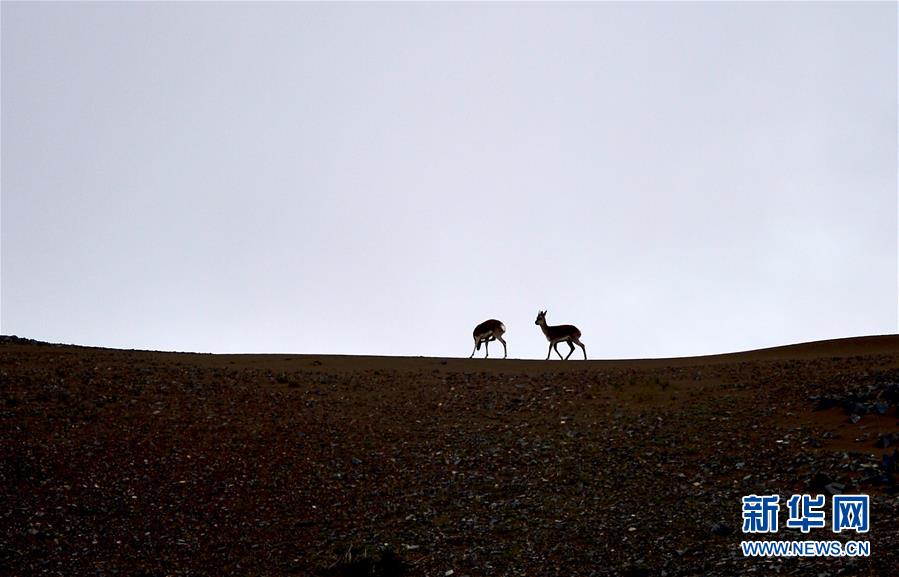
(819, 481)
(721, 529)
(835, 488)
(885, 441)
(855, 408)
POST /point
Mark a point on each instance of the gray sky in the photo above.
(675, 179)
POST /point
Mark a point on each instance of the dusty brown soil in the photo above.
(145, 463)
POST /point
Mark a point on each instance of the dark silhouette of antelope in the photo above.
(560, 333)
(490, 330)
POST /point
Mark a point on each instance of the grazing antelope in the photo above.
(560, 333)
(491, 330)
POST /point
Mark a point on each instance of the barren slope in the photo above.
(146, 463)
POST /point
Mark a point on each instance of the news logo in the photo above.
(804, 513)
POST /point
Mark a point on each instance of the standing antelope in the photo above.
(560, 333)
(490, 330)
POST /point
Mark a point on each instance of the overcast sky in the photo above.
(674, 179)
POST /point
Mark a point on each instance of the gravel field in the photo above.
(150, 464)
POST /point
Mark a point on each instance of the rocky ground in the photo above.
(144, 463)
